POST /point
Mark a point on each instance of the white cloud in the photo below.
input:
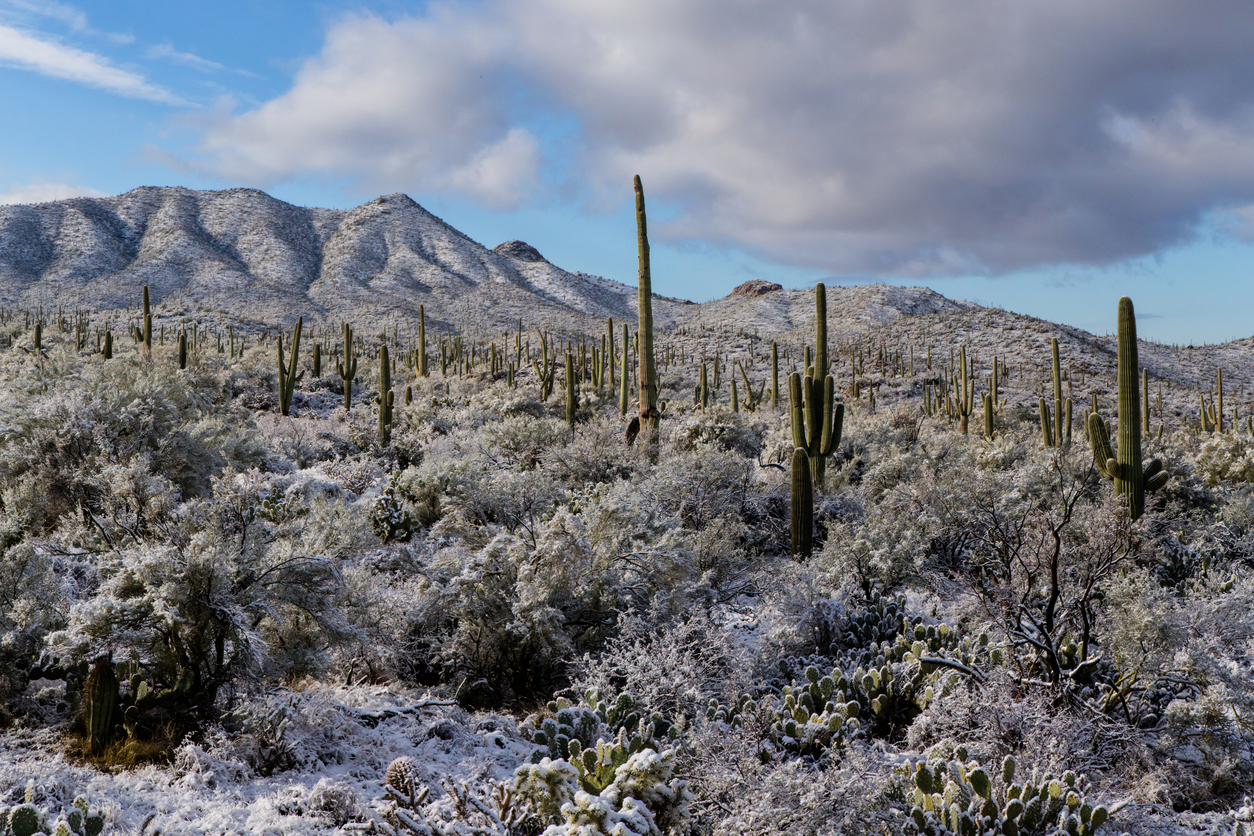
(899, 136)
(188, 59)
(30, 51)
(46, 192)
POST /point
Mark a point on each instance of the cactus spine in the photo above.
(346, 368)
(802, 503)
(386, 396)
(649, 416)
(287, 371)
(1125, 469)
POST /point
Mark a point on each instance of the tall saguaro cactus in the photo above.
(346, 367)
(386, 396)
(1124, 467)
(801, 517)
(147, 332)
(422, 341)
(817, 419)
(287, 371)
(649, 416)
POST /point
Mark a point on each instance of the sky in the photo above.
(1043, 157)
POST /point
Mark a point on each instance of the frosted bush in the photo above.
(1226, 457)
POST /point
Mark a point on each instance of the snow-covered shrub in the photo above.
(1226, 457)
(212, 606)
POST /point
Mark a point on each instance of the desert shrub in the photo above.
(1226, 457)
(220, 601)
(62, 432)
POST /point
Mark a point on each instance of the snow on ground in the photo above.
(342, 740)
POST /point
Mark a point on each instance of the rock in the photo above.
(756, 287)
(520, 250)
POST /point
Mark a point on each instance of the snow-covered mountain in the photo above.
(245, 254)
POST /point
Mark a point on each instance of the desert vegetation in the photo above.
(424, 584)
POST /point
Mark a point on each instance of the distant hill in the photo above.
(245, 254)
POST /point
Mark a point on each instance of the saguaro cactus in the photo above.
(385, 396)
(964, 392)
(649, 416)
(817, 420)
(100, 698)
(147, 332)
(802, 505)
(346, 367)
(572, 397)
(624, 382)
(422, 341)
(1124, 467)
(287, 371)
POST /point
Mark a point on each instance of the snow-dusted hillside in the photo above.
(255, 258)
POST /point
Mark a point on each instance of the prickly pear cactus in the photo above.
(951, 794)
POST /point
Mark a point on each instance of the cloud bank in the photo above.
(45, 193)
(902, 137)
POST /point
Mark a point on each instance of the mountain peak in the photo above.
(520, 250)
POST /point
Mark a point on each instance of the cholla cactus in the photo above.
(958, 796)
(403, 783)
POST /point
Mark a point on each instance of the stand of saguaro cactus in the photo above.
(346, 367)
(287, 372)
(1124, 467)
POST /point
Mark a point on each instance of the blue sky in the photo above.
(1046, 157)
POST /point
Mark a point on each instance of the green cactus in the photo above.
(100, 698)
(1058, 405)
(1125, 470)
(24, 820)
(989, 432)
(545, 368)
(146, 333)
(964, 392)
(951, 794)
(703, 390)
(422, 341)
(386, 396)
(624, 382)
(649, 416)
(802, 505)
(572, 394)
(108, 345)
(1047, 429)
(346, 367)
(774, 375)
(317, 360)
(287, 371)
